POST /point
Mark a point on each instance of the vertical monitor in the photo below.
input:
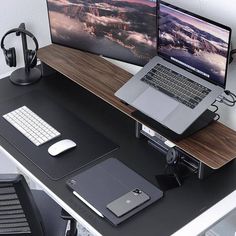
(119, 29)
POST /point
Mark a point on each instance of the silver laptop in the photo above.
(188, 73)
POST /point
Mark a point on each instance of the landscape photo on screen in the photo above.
(119, 29)
(194, 43)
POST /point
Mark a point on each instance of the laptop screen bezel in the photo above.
(162, 55)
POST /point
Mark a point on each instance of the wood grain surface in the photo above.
(215, 145)
(90, 71)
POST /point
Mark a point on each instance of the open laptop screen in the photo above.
(193, 42)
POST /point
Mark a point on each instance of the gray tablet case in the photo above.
(107, 181)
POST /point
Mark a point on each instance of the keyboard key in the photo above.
(31, 125)
(175, 85)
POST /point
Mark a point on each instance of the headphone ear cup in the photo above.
(10, 56)
(31, 58)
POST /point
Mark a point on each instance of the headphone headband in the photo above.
(15, 30)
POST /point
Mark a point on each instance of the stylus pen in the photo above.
(88, 204)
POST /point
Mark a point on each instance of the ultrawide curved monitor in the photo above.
(119, 29)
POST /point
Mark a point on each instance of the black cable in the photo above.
(229, 102)
(233, 51)
(216, 107)
(217, 117)
(227, 92)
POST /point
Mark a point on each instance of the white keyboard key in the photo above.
(31, 125)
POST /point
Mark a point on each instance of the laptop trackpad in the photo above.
(155, 104)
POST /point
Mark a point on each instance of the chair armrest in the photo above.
(72, 231)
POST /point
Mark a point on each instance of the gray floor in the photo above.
(6, 166)
(225, 227)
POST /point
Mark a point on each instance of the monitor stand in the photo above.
(28, 74)
(203, 121)
(210, 146)
(25, 77)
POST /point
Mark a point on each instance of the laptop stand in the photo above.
(203, 121)
(194, 165)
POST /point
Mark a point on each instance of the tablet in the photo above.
(108, 188)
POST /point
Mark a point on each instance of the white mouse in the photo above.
(61, 146)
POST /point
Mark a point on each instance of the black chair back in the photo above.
(19, 214)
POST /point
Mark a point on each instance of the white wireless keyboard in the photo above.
(31, 125)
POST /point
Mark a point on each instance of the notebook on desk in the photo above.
(188, 73)
(107, 181)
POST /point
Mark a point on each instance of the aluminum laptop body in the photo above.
(196, 48)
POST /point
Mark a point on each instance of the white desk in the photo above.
(209, 217)
(227, 117)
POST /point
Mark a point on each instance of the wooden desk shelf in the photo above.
(214, 146)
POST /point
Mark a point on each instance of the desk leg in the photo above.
(47, 70)
(204, 171)
(138, 127)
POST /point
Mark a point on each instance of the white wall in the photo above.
(34, 14)
(222, 11)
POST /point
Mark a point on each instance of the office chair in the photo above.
(29, 213)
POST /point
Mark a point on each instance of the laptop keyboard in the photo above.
(175, 85)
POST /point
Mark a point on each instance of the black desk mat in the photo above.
(91, 144)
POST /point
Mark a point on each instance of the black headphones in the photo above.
(10, 54)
